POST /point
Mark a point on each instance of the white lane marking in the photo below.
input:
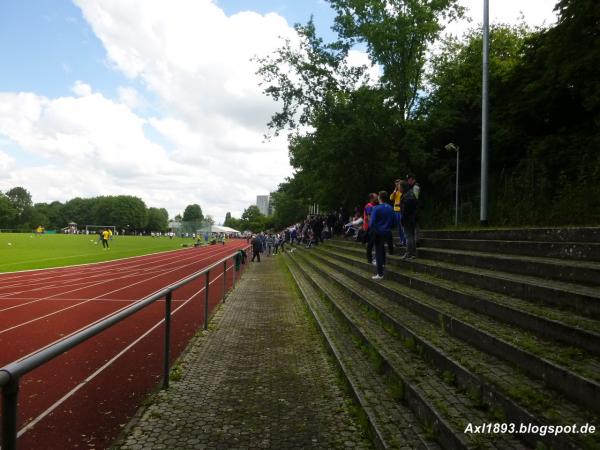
(69, 394)
(106, 281)
(145, 264)
(80, 329)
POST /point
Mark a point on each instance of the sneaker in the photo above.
(374, 262)
(377, 277)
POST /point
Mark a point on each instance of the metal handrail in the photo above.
(11, 374)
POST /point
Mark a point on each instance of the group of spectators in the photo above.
(372, 225)
(380, 218)
(308, 233)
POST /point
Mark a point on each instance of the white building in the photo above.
(262, 202)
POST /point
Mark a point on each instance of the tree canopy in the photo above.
(193, 213)
(348, 137)
(123, 211)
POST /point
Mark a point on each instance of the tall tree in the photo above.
(253, 220)
(193, 213)
(8, 212)
(158, 219)
(397, 34)
(79, 210)
(20, 198)
(302, 77)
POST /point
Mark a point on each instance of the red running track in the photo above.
(83, 398)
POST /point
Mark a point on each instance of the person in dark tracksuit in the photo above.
(257, 248)
(409, 206)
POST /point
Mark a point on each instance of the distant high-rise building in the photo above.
(262, 201)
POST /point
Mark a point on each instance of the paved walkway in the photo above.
(261, 378)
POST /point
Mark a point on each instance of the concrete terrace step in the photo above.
(550, 322)
(568, 250)
(484, 377)
(547, 268)
(579, 234)
(392, 425)
(579, 381)
(585, 300)
(443, 406)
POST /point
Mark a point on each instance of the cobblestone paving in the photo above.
(260, 379)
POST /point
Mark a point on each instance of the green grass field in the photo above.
(23, 251)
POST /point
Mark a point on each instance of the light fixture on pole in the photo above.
(483, 215)
(455, 148)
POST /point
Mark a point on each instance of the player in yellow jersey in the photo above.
(105, 236)
(396, 197)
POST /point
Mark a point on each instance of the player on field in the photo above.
(105, 236)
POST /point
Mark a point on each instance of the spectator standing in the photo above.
(318, 229)
(263, 241)
(410, 206)
(416, 189)
(369, 239)
(413, 185)
(396, 198)
(331, 220)
(270, 244)
(381, 223)
(294, 236)
(256, 248)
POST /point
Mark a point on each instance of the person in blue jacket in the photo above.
(381, 223)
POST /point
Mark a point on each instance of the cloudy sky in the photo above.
(155, 98)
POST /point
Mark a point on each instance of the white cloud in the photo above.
(7, 162)
(197, 62)
(81, 89)
(358, 58)
(533, 12)
(131, 97)
(206, 146)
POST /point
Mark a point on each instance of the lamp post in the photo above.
(455, 148)
(483, 212)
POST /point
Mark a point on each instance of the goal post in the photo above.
(93, 229)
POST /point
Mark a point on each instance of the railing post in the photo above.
(206, 300)
(224, 279)
(167, 355)
(10, 393)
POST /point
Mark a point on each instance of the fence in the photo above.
(11, 374)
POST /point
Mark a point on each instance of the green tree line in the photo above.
(18, 212)
(348, 137)
(251, 220)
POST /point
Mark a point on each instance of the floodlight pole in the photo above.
(455, 148)
(456, 199)
(485, 114)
